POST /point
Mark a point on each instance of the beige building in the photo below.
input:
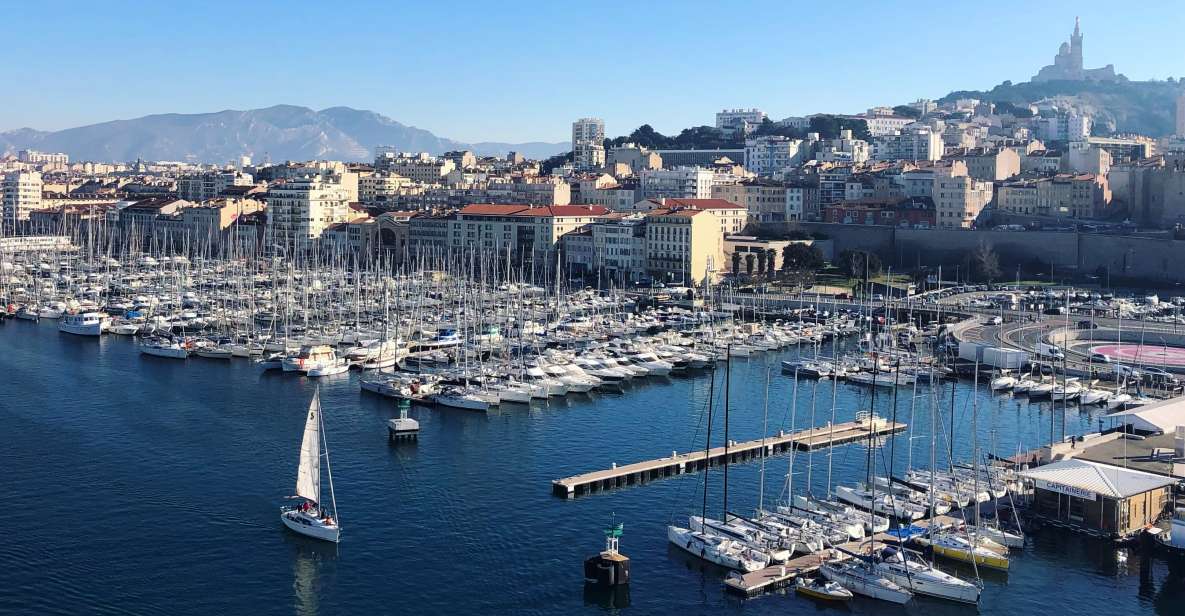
(683, 245)
(991, 164)
(21, 195)
(211, 219)
(421, 168)
(733, 217)
(519, 229)
(300, 209)
(1075, 196)
(381, 187)
(959, 199)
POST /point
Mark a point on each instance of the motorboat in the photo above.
(1004, 382)
(337, 366)
(822, 589)
(84, 324)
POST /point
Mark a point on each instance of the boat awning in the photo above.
(1086, 479)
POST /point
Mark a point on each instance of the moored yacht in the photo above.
(84, 324)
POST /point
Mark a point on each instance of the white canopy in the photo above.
(1095, 478)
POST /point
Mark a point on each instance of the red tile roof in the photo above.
(538, 211)
(700, 204)
(566, 210)
(490, 209)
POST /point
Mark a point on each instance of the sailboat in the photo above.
(310, 517)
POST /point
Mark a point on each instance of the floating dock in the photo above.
(678, 464)
(779, 576)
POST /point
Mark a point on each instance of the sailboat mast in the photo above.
(727, 383)
(325, 453)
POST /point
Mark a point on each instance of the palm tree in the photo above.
(736, 263)
(761, 258)
(749, 259)
(771, 259)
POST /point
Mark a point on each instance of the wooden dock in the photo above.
(779, 576)
(678, 464)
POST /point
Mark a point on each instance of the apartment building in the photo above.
(420, 168)
(1066, 195)
(300, 209)
(683, 245)
(914, 143)
(21, 195)
(732, 121)
(381, 188)
(521, 229)
(770, 154)
(681, 183)
(990, 164)
(959, 199)
(767, 201)
(588, 144)
(208, 185)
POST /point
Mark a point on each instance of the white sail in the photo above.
(308, 474)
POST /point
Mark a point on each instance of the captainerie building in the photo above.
(1098, 499)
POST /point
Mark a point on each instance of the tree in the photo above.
(829, 126)
(906, 111)
(761, 259)
(858, 263)
(987, 263)
(749, 259)
(736, 263)
(770, 260)
(558, 160)
(801, 257)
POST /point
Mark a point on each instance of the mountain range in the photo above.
(282, 132)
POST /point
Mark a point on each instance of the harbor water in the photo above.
(137, 485)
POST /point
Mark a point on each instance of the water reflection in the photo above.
(308, 558)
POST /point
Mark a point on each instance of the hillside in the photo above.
(1144, 107)
(282, 132)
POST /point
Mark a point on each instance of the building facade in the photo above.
(300, 209)
(21, 195)
(588, 144)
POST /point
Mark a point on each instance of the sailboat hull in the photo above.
(310, 526)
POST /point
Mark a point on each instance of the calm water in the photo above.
(143, 485)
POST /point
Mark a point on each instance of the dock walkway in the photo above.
(778, 576)
(678, 464)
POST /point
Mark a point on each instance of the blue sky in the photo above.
(481, 71)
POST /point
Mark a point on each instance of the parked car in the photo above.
(1087, 324)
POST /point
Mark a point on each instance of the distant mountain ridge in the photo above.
(281, 132)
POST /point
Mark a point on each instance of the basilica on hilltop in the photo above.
(1067, 64)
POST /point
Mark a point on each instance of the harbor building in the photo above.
(1098, 499)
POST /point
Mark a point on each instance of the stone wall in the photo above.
(1152, 260)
